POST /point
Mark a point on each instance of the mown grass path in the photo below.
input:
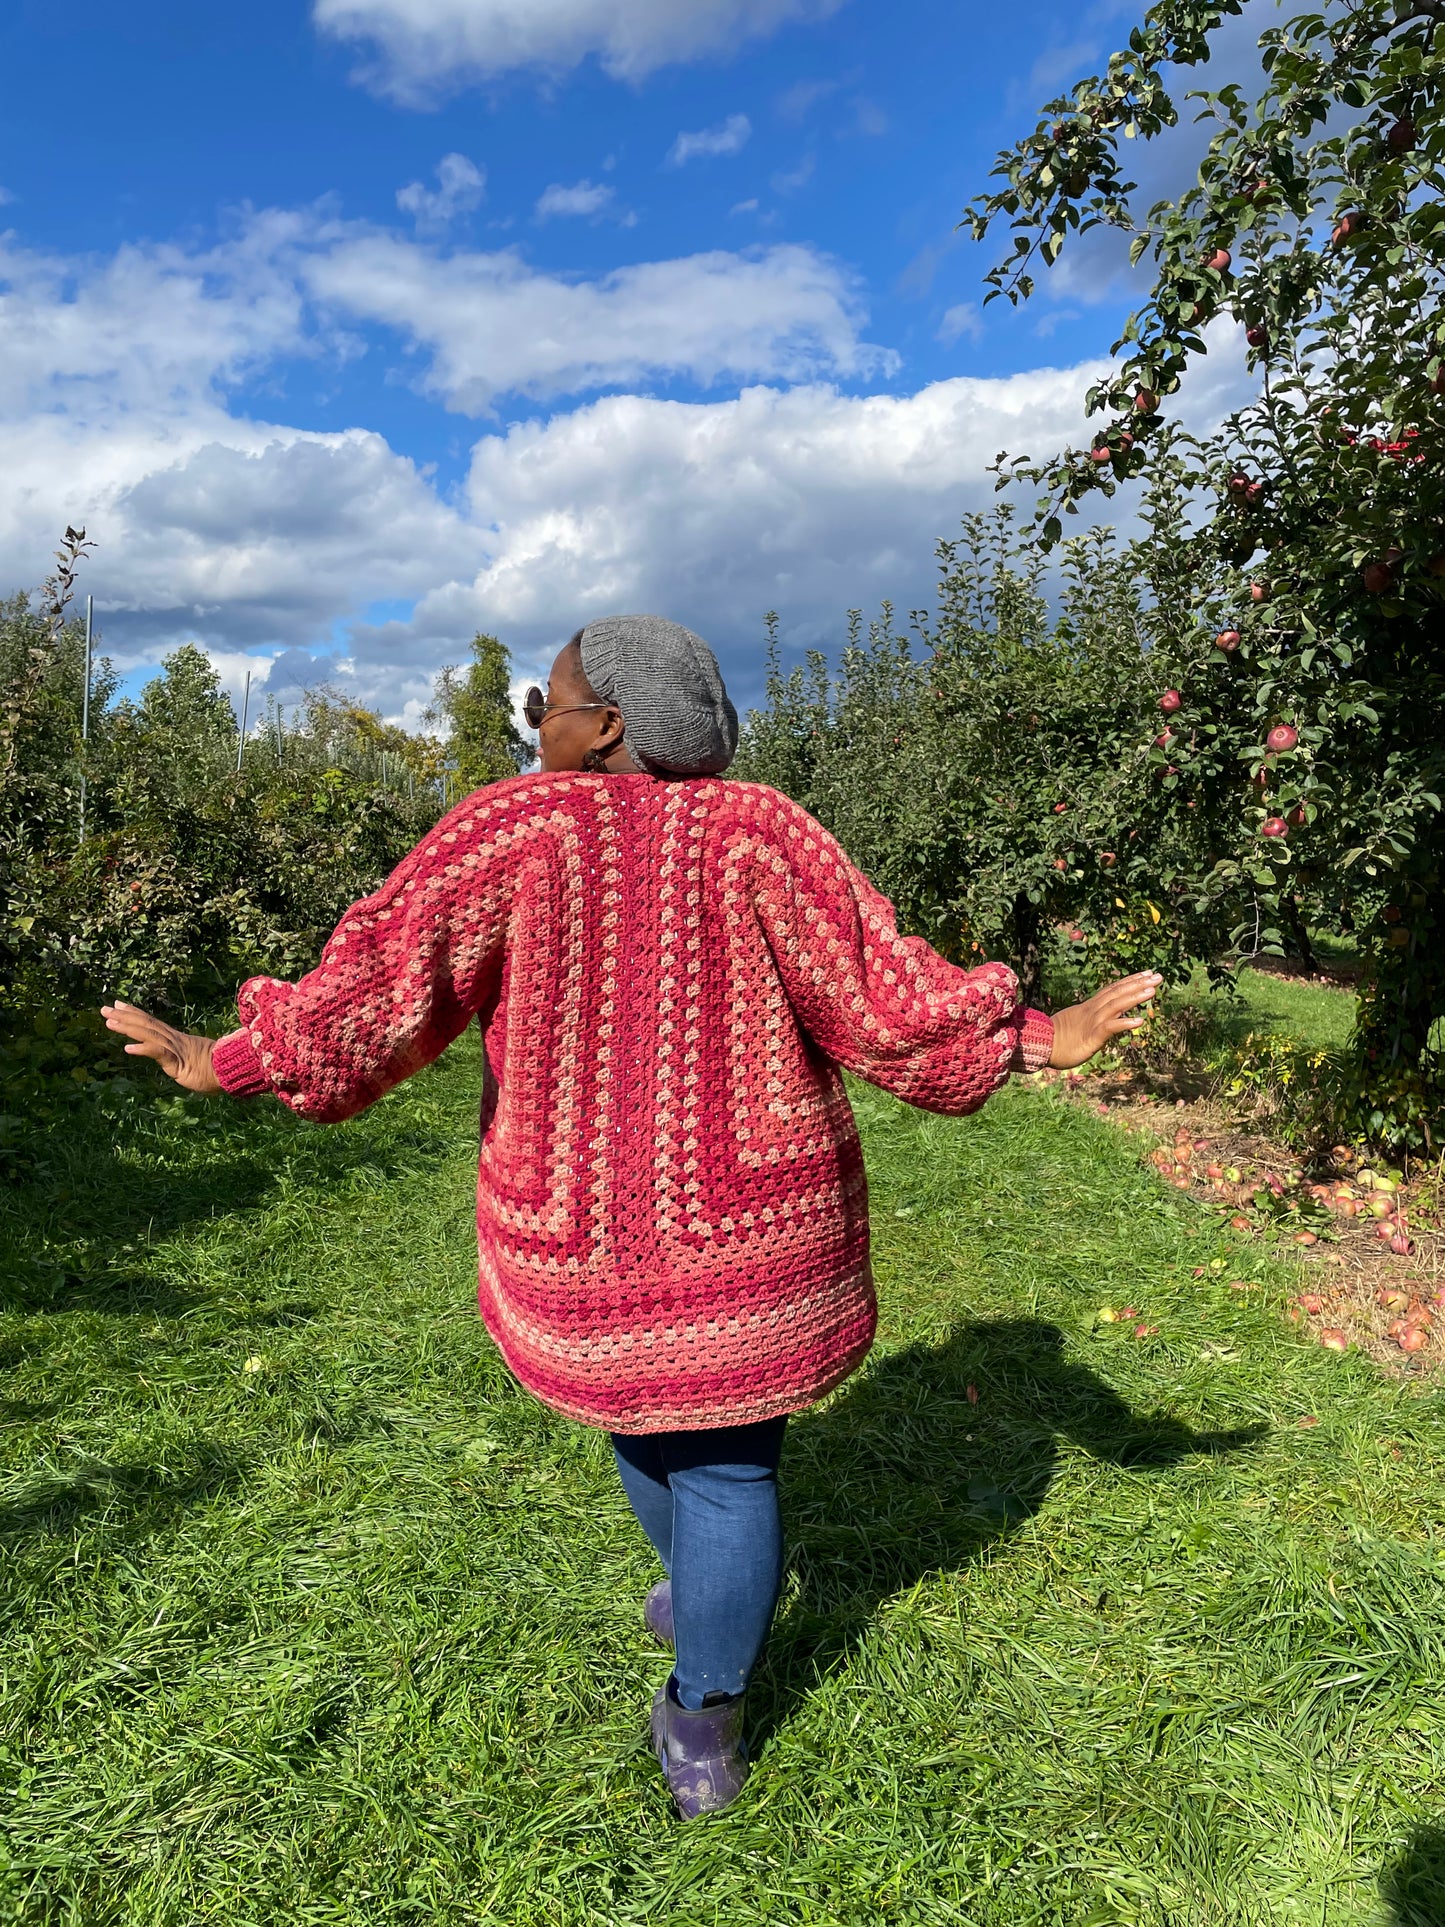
(311, 1615)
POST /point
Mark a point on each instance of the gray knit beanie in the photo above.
(667, 684)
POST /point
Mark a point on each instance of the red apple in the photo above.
(1146, 402)
(1401, 137)
(1281, 738)
(1299, 816)
(1401, 1245)
(1257, 337)
(1259, 592)
(1414, 1339)
(1347, 227)
(1274, 826)
(1101, 455)
(1391, 913)
(1108, 859)
(1334, 1340)
(1077, 936)
(1060, 808)
(1311, 1302)
(1059, 863)
(1254, 494)
(1171, 701)
(1237, 483)
(1228, 640)
(1161, 741)
(1378, 577)
(1218, 262)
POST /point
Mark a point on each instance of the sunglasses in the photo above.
(536, 708)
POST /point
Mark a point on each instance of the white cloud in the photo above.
(792, 178)
(798, 101)
(963, 318)
(420, 48)
(491, 325)
(116, 409)
(6, 196)
(804, 500)
(744, 207)
(583, 198)
(461, 186)
(729, 136)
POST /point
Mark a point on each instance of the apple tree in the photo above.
(1314, 663)
(994, 771)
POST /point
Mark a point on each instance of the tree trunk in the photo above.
(1028, 950)
(1299, 936)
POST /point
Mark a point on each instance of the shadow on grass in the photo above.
(136, 1499)
(1413, 1884)
(904, 1475)
(69, 1234)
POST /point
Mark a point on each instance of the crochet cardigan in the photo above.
(669, 976)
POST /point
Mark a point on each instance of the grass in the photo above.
(1315, 1013)
(311, 1615)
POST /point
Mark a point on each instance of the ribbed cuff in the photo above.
(238, 1068)
(1035, 1045)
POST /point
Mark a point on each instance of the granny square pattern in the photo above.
(669, 977)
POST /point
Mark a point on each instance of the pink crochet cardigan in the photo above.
(671, 1206)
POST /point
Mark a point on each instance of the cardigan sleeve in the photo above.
(884, 1006)
(401, 976)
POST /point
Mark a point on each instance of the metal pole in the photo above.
(85, 707)
(245, 712)
(278, 735)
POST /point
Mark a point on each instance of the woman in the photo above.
(670, 972)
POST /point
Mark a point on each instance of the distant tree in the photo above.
(477, 704)
(993, 773)
(186, 699)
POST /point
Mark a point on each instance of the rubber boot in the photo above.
(657, 1613)
(701, 1753)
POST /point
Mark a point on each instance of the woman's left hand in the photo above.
(182, 1056)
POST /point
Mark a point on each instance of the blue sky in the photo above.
(352, 328)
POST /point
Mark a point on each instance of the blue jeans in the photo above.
(708, 1501)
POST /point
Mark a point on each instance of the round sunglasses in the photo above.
(537, 709)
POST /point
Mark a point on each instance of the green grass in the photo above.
(353, 1635)
(1315, 1013)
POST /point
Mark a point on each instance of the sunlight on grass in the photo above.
(1315, 1013)
(312, 1615)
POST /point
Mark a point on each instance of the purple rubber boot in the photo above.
(701, 1753)
(657, 1613)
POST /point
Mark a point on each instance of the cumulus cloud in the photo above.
(118, 408)
(461, 186)
(585, 198)
(729, 136)
(806, 500)
(963, 318)
(489, 324)
(417, 49)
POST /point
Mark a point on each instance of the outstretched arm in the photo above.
(889, 1007)
(1081, 1031)
(403, 974)
(180, 1053)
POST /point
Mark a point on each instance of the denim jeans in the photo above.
(708, 1501)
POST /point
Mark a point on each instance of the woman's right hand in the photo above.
(1083, 1029)
(181, 1055)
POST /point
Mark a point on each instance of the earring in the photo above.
(595, 763)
